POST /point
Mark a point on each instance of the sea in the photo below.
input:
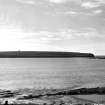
(51, 73)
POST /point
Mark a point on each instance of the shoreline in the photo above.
(51, 96)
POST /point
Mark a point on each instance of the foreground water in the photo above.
(41, 73)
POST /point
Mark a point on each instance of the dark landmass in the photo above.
(28, 54)
(100, 57)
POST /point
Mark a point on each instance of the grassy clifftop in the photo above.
(23, 54)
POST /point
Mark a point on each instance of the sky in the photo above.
(53, 25)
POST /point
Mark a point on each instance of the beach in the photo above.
(50, 97)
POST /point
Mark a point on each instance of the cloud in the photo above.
(32, 2)
(47, 36)
(97, 11)
(89, 13)
(63, 34)
(88, 33)
(64, 1)
(73, 13)
(92, 13)
(37, 1)
(100, 1)
(52, 1)
(57, 1)
(13, 38)
(89, 5)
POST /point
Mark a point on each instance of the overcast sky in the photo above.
(58, 25)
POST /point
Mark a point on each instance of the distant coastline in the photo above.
(32, 54)
(100, 56)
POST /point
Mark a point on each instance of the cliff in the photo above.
(23, 54)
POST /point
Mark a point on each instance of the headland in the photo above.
(29, 54)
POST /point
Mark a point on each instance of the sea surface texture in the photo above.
(51, 73)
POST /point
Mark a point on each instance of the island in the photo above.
(32, 54)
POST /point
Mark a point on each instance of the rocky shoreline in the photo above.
(51, 96)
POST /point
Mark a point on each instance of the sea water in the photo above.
(39, 73)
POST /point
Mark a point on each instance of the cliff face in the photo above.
(22, 54)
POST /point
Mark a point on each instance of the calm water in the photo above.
(51, 72)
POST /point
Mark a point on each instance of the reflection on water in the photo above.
(51, 72)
